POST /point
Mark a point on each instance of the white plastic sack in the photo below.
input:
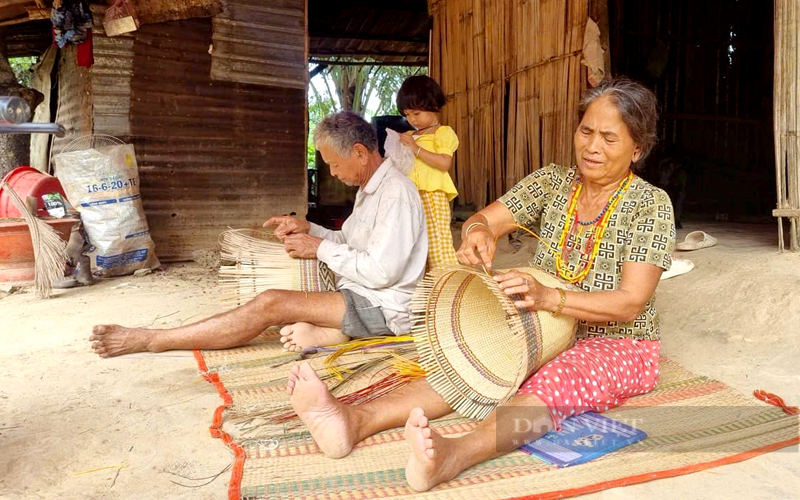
(402, 157)
(103, 185)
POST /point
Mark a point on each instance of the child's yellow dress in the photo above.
(436, 189)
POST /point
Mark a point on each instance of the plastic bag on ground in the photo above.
(103, 185)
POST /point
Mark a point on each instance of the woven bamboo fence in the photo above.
(513, 77)
(787, 118)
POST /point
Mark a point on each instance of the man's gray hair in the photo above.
(341, 131)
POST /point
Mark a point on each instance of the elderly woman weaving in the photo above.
(604, 229)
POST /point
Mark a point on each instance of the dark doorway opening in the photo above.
(710, 64)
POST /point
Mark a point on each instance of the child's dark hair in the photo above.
(420, 92)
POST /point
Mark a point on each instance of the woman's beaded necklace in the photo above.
(600, 224)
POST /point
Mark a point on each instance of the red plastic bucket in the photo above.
(17, 261)
(27, 181)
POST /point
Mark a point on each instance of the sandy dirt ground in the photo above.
(75, 426)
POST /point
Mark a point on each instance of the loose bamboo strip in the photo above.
(790, 125)
(789, 89)
(793, 171)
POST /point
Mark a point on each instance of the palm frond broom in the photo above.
(49, 250)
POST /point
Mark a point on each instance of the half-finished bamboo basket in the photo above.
(475, 346)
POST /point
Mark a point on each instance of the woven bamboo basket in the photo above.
(261, 263)
(475, 346)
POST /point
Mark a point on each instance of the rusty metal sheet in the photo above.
(159, 11)
(111, 80)
(262, 43)
(211, 154)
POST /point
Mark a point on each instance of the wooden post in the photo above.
(787, 119)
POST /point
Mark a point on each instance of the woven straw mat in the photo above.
(693, 423)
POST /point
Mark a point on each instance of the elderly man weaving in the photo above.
(378, 257)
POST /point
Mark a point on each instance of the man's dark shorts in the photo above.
(361, 318)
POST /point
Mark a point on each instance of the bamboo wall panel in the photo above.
(787, 115)
(511, 70)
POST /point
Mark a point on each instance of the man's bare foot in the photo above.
(433, 457)
(114, 340)
(329, 421)
(301, 336)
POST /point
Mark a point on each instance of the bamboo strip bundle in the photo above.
(787, 116)
(349, 373)
(49, 250)
(261, 263)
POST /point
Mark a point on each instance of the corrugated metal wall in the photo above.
(211, 154)
(111, 81)
(261, 42)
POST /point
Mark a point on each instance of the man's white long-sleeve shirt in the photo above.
(381, 251)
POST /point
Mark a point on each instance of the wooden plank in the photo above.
(786, 212)
(19, 20)
(36, 12)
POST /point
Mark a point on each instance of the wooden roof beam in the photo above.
(357, 37)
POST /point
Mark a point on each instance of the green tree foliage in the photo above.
(22, 69)
(391, 78)
(319, 106)
(366, 90)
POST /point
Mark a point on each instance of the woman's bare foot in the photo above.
(330, 422)
(433, 457)
(301, 336)
(114, 340)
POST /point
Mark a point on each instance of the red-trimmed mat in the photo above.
(694, 423)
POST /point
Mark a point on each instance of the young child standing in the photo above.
(420, 99)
